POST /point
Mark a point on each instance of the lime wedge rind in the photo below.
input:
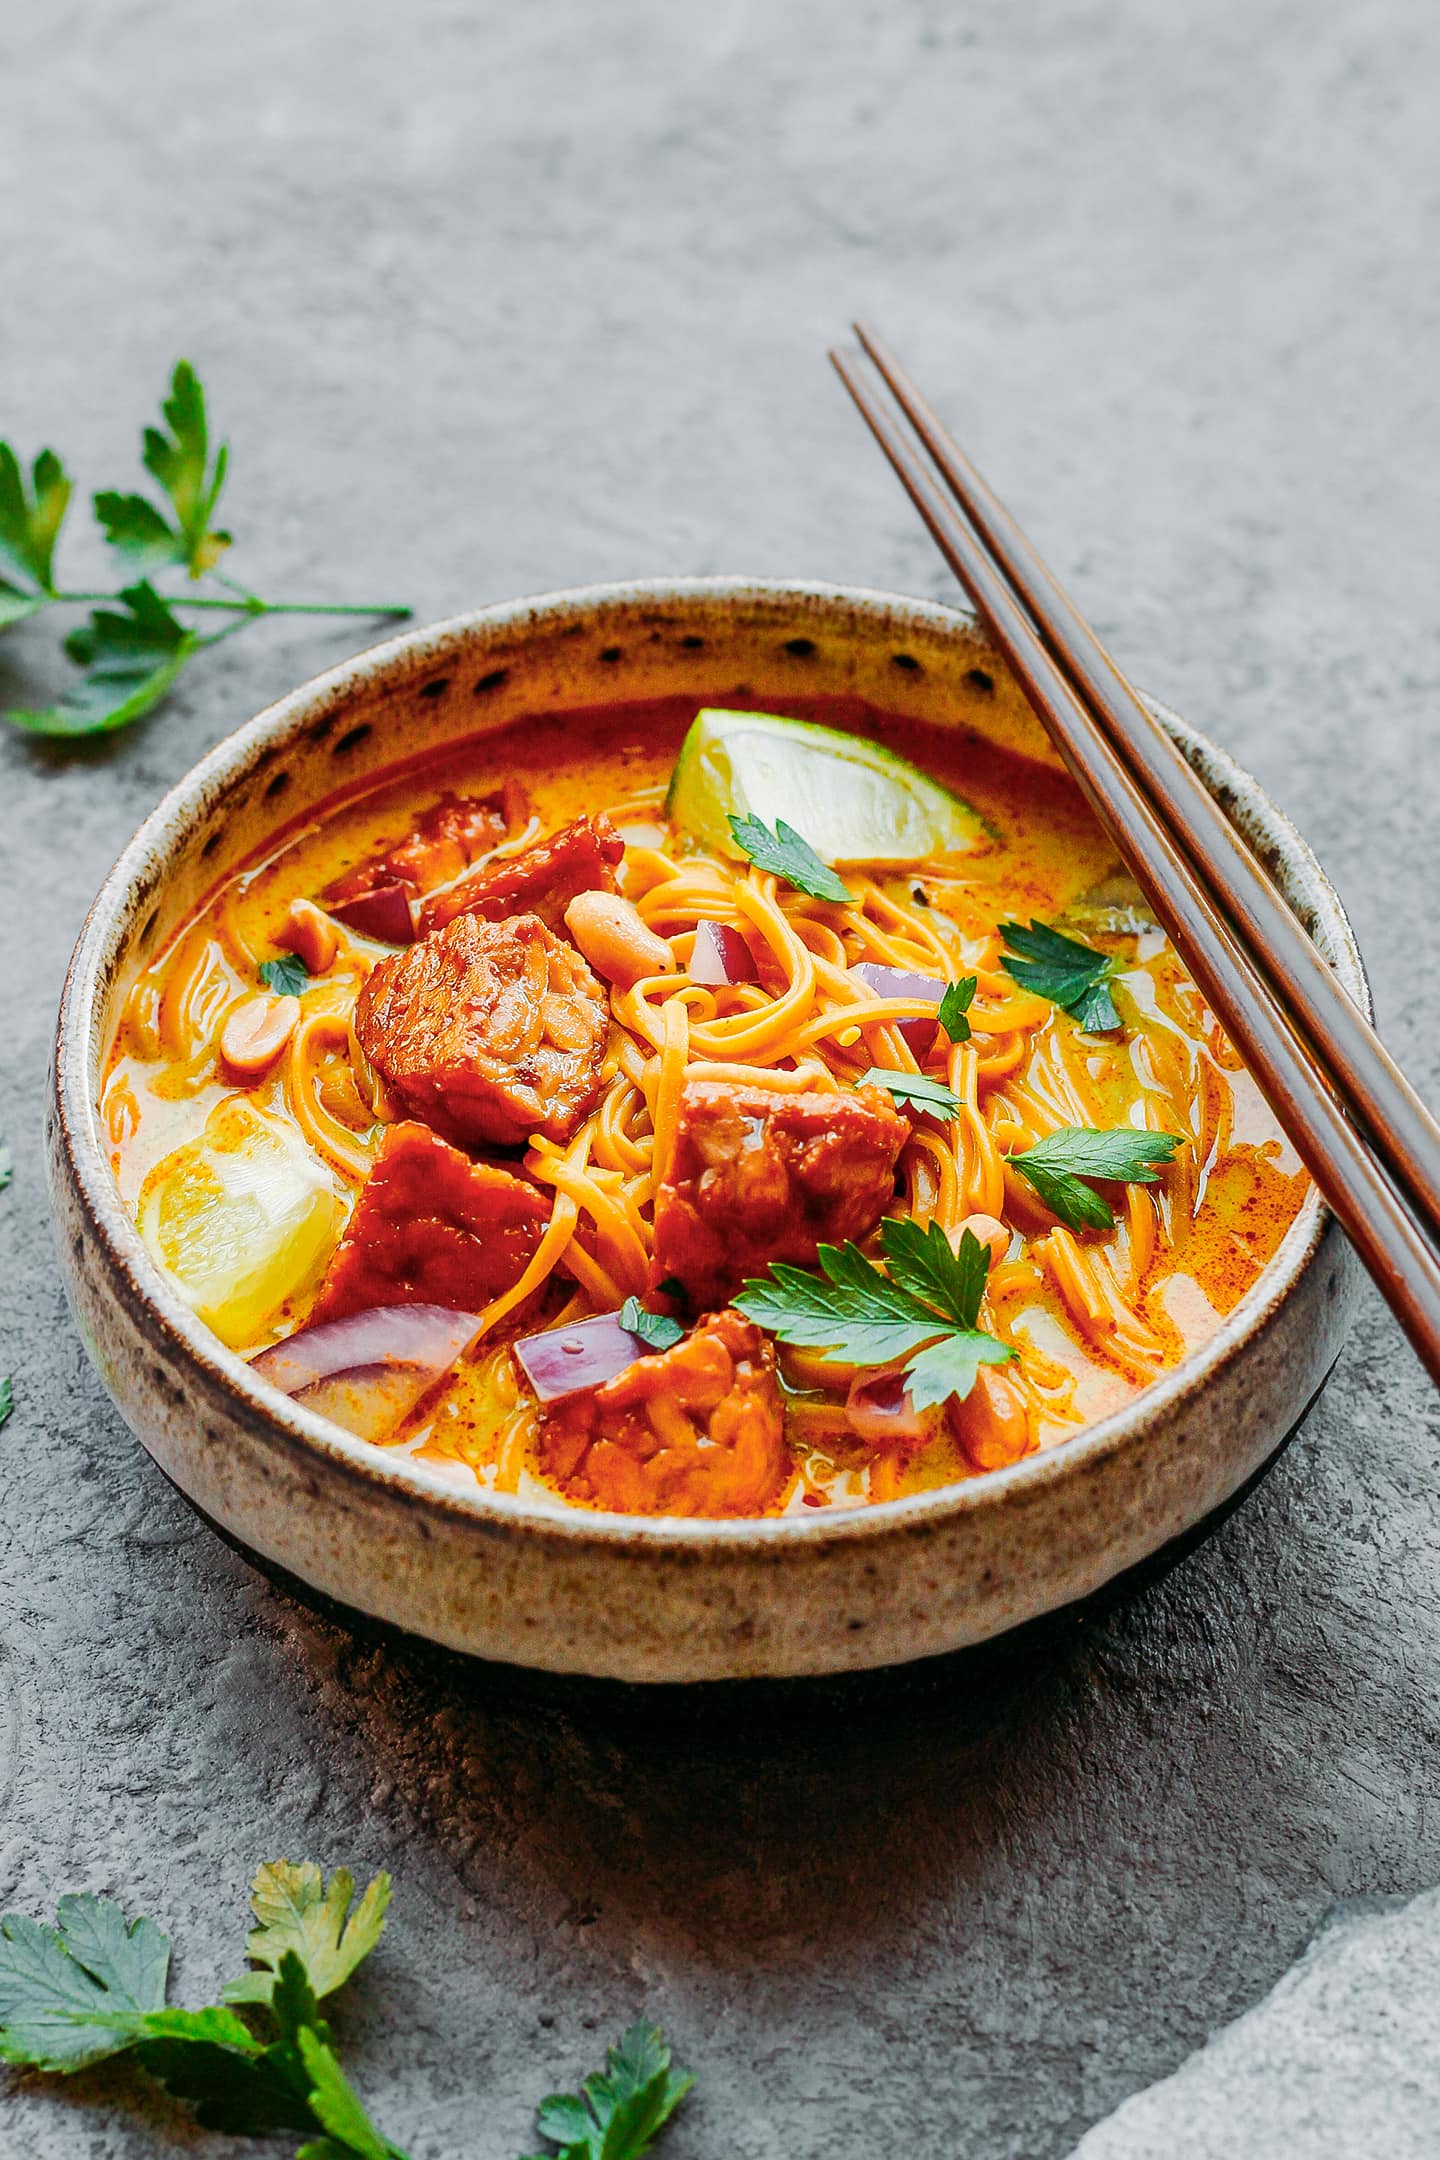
(853, 800)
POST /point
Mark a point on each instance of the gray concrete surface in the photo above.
(494, 299)
(1304, 2071)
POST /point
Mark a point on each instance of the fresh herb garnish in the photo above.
(296, 1910)
(130, 661)
(1058, 1165)
(7, 1166)
(789, 855)
(1073, 976)
(955, 1005)
(180, 461)
(922, 1093)
(287, 977)
(654, 1329)
(618, 2112)
(922, 1313)
(29, 526)
(133, 649)
(93, 1986)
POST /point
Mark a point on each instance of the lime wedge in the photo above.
(854, 801)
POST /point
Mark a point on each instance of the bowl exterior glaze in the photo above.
(614, 1596)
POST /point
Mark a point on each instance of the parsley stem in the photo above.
(251, 605)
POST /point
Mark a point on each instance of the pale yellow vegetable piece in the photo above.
(240, 1219)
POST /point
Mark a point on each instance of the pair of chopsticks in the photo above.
(1367, 1139)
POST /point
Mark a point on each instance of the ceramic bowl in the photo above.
(608, 1595)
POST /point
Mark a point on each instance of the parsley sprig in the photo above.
(789, 855)
(1059, 1165)
(917, 1089)
(134, 645)
(93, 1987)
(1073, 976)
(921, 1311)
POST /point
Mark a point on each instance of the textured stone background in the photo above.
(493, 299)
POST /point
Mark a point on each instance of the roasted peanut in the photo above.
(256, 1030)
(312, 935)
(989, 1231)
(992, 1424)
(614, 939)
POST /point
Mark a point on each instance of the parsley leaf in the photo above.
(618, 2112)
(922, 1093)
(296, 1911)
(30, 524)
(287, 977)
(248, 2096)
(131, 660)
(91, 1986)
(922, 1314)
(136, 530)
(956, 1003)
(335, 2104)
(850, 1308)
(7, 1166)
(1057, 1166)
(15, 606)
(232, 2081)
(789, 855)
(655, 1330)
(60, 1986)
(921, 1261)
(7, 1399)
(949, 1368)
(180, 461)
(1073, 976)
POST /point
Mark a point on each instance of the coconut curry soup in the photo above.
(710, 1114)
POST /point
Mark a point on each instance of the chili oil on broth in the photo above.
(1093, 1318)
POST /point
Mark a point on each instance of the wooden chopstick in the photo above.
(1377, 1094)
(1355, 1182)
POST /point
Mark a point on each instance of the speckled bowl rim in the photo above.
(398, 660)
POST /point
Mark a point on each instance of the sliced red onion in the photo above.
(720, 955)
(568, 1360)
(367, 1371)
(889, 982)
(383, 913)
(880, 1411)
